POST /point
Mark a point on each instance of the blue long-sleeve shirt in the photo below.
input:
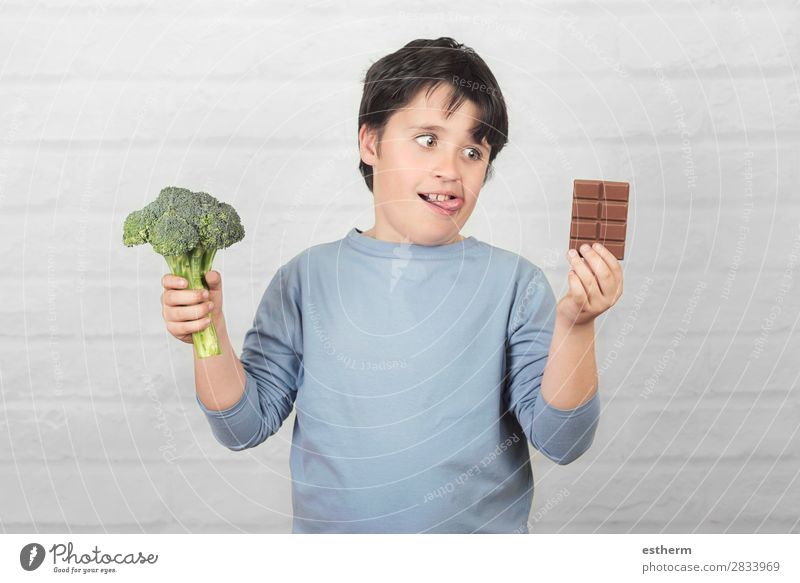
(415, 372)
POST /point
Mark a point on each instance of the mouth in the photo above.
(447, 207)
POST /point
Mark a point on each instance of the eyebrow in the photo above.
(436, 128)
(428, 127)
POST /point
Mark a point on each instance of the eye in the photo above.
(477, 155)
(425, 136)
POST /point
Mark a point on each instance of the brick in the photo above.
(712, 38)
(710, 429)
(599, 109)
(148, 112)
(624, 495)
(763, 494)
(88, 432)
(245, 493)
(689, 367)
(91, 494)
(68, 260)
(609, 497)
(674, 527)
(152, 112)
(243, 39)
(158, 433)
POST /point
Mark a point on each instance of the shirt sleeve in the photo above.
(562, 435)
(272, 359)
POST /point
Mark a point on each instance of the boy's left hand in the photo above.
(595, 284)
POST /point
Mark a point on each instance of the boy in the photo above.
(414, 356)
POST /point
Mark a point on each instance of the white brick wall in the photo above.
(102, 104)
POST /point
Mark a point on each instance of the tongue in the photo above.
(450, 205)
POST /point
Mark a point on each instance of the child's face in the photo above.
(414, 159)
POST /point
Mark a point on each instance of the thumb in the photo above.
(214, 281)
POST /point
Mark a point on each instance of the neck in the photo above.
(397, 238)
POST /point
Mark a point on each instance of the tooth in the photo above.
(437, 197)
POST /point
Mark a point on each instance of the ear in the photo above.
(367, 144)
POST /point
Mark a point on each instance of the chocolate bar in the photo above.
(599, 214)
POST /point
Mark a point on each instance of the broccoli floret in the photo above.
(187, 228)
(173, 235)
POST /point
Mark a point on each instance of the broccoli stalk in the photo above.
(187, 228)
(192, 267)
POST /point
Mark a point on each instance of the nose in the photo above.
(445, 166)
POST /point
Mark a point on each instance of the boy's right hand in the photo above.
(187, 310)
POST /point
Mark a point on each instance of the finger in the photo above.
(214, 280)
(611, 261)
(576, 289)
(182, 328)
(188, 313)
(170, 281)
(185, 297)
(599, 267)
(585, 274)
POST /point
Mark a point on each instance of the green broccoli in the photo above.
(187, 228)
